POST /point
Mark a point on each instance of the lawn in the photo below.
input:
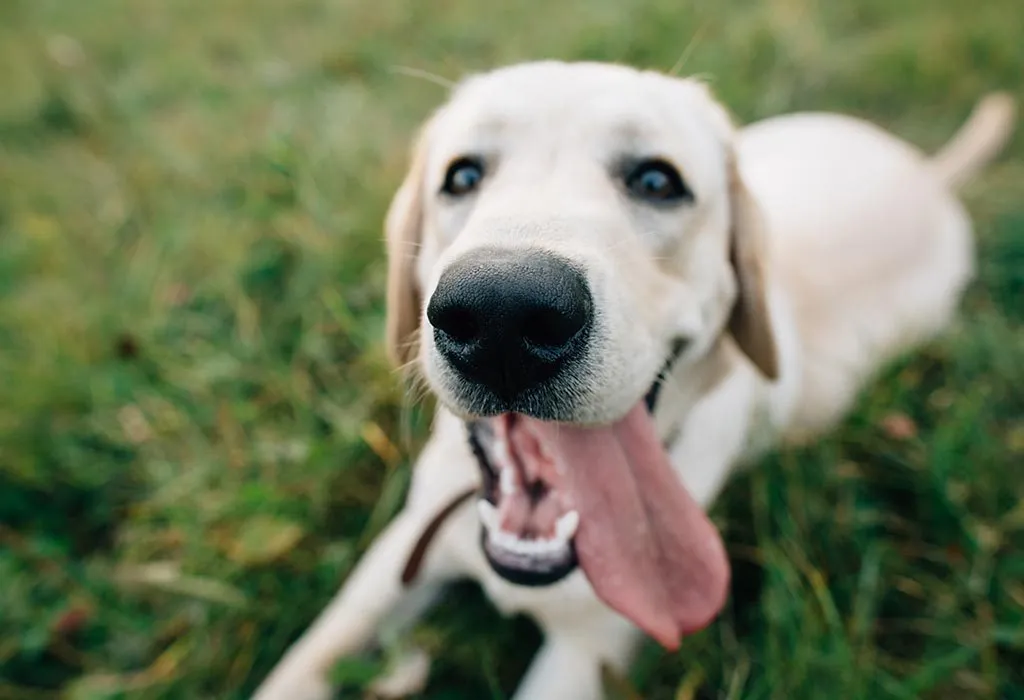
(199, 433)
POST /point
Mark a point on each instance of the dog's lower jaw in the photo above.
(549, 575)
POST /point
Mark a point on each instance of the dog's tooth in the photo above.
(549, 547)
(544, 548)
(507, 481)
(506, 540)
(566, 526)
(506, 468)
(511, 543)
(533, 548)
(488, 514)
(527, 547)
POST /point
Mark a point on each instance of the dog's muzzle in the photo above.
(510, 323)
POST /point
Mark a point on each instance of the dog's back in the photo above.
(867, 239)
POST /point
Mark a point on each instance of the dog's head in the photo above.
(566, 231)
(561, 230)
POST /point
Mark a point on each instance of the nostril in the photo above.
(458, 323)
(550, 328)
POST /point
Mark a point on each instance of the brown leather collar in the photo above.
(419, 551)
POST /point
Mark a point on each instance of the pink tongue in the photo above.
(647, 548)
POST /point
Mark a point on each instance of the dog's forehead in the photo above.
(580, 98)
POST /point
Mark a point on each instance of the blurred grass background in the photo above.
(199, 433)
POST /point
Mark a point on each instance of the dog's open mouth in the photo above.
(606, 499)
(528, 516)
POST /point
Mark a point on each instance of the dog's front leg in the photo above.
(372, 599)
(568, 665)
(375, 599)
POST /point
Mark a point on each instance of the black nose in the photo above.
(510, 320)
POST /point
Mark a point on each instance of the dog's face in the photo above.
(564, 232)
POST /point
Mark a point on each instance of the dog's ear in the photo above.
(403, 229)
(749, 322)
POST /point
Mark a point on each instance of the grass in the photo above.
(199, 433)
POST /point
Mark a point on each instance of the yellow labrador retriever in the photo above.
(618, 297)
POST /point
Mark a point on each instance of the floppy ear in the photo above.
(403, 233)
(749, 322)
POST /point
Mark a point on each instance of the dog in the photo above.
(619, 297)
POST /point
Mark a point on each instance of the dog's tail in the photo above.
(978, 141)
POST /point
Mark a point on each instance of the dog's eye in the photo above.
(657, 181)
(463, 176)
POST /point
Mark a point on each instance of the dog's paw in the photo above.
(406, 675)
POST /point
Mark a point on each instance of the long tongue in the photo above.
(646, 546)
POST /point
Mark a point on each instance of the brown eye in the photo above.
(463, 176)
(655, 180)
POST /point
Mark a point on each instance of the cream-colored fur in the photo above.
(816, 249)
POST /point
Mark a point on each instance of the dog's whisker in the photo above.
(625, 244)
(414, 395)
(706, 78)
(690, 47)
(425, 75)
(415, 391)
(617, 245)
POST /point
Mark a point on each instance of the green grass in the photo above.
(194, 399)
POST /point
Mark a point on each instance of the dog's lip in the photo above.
(677, 346)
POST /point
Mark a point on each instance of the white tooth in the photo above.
(501, 448)
(548, 547)
(566, 526)
(507, 481)
(526, 548)
(488, 515)
(506, 468)
(538, 548)
(505, 540)
(523, 547)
